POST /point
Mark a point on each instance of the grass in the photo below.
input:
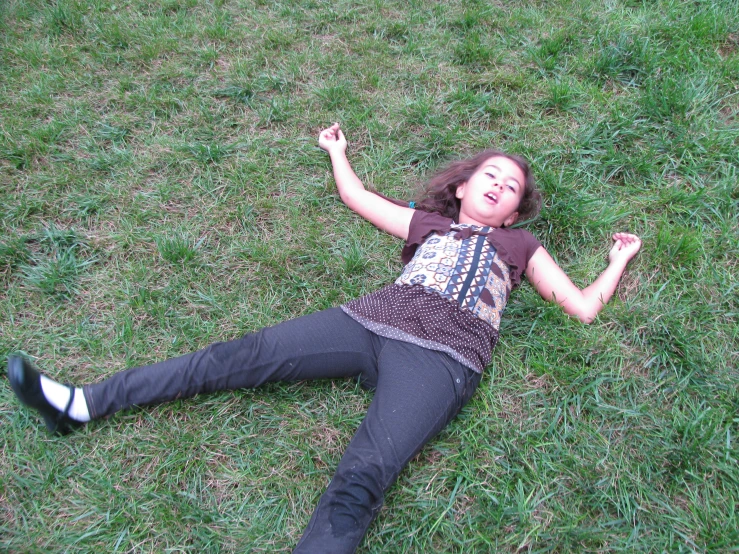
(161, 188)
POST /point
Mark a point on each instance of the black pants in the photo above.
(417, 392)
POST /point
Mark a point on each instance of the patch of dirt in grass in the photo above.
(728, 113)
(539, 381)
(462, 505)
(330, 442)
(428, 456)
(512, 410)
(628, 286)
(729, 47)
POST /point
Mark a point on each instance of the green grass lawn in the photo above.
(161, 188)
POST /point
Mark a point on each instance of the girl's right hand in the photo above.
(332, 139)
(379, 211)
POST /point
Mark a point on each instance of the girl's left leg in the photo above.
(321, 345)
(418, 392)
(327, 344)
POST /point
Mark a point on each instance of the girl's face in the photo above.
(490, 197)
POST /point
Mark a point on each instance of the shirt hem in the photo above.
(390, 332)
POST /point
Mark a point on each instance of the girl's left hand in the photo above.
(625, 247)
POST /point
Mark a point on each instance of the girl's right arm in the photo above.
(380, 212)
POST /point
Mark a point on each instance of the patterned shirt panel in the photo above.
(468, 272)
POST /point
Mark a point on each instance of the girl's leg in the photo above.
(418, 392)
(326, 344)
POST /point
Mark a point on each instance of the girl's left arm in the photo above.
(553, 284)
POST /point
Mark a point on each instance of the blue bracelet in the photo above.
(411, 205)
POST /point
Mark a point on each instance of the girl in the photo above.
(421, 343)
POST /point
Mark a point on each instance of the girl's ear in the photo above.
(511, 219)
(459, 193)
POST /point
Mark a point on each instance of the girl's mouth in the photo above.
(492, 197)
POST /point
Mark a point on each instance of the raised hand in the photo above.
(625, 247)
(332, 140)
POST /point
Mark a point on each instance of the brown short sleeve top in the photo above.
(514, 246)
(453, 289)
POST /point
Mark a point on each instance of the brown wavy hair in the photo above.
(439, 194)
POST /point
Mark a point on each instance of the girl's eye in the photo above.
(512, 188)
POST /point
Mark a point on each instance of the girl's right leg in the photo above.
(326, 344)
(418, 392)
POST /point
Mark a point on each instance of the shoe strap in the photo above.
(65, 413)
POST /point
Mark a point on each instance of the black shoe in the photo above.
(25, 381)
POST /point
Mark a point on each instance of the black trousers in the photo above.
(417, 392)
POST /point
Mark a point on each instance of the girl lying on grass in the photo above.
(421, 343)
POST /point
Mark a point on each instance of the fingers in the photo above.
(332, 138)
(333, 132)
(626, 237)
(338, 133)
(327, 134)
(625, 247)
